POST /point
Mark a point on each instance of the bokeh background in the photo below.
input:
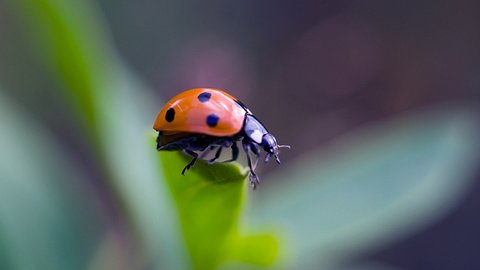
(315, 72)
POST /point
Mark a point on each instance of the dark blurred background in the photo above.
(311, 70)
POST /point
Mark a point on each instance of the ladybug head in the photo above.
(269, 144)
(258, 134)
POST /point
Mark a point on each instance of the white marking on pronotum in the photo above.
(257, 136)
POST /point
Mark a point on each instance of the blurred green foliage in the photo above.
(368, 189)
(44, 224)
(373, 187)
(71, 40)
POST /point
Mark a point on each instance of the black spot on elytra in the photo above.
(204, 97)
(170, 115)
(212, 120)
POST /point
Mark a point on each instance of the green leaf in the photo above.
(44, 223)
(372, 187)
(72, 41)
(209, 199)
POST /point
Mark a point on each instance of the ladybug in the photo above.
(201, 120)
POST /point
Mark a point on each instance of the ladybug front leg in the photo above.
(253, 178)
(235, 153)
(256, 150)
(192, 162)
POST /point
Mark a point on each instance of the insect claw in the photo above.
(254, 181)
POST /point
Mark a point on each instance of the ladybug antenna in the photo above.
(277, 159)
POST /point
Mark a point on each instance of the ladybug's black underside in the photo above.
(192, 141)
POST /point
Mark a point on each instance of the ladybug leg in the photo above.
(192, 162)
(235, 153)
(256, 150)
(252, 177)
(206, 152)
(217, 155)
